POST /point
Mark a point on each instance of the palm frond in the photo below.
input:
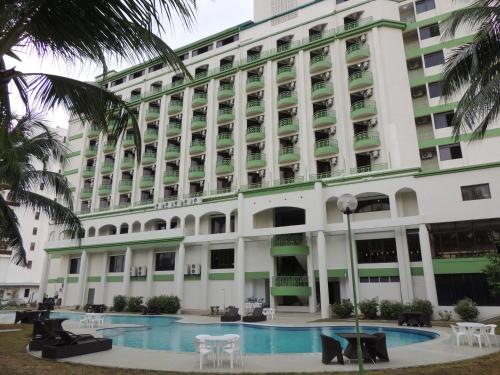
(9, 232)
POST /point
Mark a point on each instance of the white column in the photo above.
(403, 265)
(126, 271)
(42, 289)
(240, 274)
(310, 276)
(323, 276)
(228, 223)
(197, 226)
(82, 280)
(65, 268)
(204, 276)
(425, 248)
(179, 272)
(104, 271)
(150, 271)
(272, 273)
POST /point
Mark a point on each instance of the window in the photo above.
(422, 6)
(377, 251)
(117, 82)
(32, 246)
(184, 56)
(35, 231)
(218, 224)
(429, 31)
(37, 215)
(413, 245)
(435, 89)
(165, 261)
(136, 74)
(475, 192)
(74, 266)
(379, 279)
(372, 205)
(443, 119)
(201, 50)
(42, 186)
(116, 263)
(433, 59)
(26, 293)
(450, 152)
(228, 40)
(220, 259)
(453, 287)
(156, 67)
(30, 264)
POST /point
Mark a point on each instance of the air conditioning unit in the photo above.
(375, 154)
(373, 122)
(325, 50)
(368, 93)
(108, 199)
(133, 271)
(365, 65)
(231, 126)
(230, 178)
(334, 161)
(155, 144)
(195, 269)
(427, 155)
(296, 167)
(178, 117)
(181, 94)
(231, 79)
(129, 195)
(203, 133)
(151, 191)
(326, 76)
(291, 61)
(262, 173)
(177, 162)
(260, 71)
(202, 182)
(292, 86)
(363, 38)
(262, 145)
(204, 110)
(132, 172)
(329, 103)
(153, 167)
(202, 157)
(187, 270)
(231, 151)
(293, 112)
(205, 88)
(418, 93)
(142, 270)
(260, 94)
(175, 187)
(332, 130)
(295, 138)
(260, 119)
(414, 65)
(231, 102)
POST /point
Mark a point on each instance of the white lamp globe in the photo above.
(347, 203)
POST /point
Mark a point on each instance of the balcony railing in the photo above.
(255, 133)
(366, 139)
(224, 140)
(174, 129)
(286, 73)
(254, 83)
(226, 90)
(319, 63)
(321, 90)
(288, 240)
(290, 281)
(369, 168)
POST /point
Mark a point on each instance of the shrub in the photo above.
(390, 310)
(343, 310)
(119, 303)
(369, 308)
(164, 304)
(467, 309)
(421, 305)
(134, 304)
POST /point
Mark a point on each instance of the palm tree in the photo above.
(74, 32)
(472, 71)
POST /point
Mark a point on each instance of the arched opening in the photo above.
(175, 223)
(91, 232)
(155, 224)
(234, 221)
(189, 224)
(136, 227)
(333, 214)
(279, 217)
(213, 223)
(107, 230)
(124, 228)
(372, 206)
(406, 202)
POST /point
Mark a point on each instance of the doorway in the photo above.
(90, 296)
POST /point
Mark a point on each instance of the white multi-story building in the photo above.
(21, 283)
(235, 194)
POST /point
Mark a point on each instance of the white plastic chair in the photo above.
(233, 349)
(459, 332)
(85, 321)
(204, 350)
(268, 312)
(99, 320)
(478, 334)
(490, 330)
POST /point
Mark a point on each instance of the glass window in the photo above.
(32, 246)
(220, 259)
(74, 266)
(453, 287)
(377, 251)
(165, 261)
(371, 205)
(116, 263)
(450, 152)
(443, 119)
(35, 231)
(433, 59)
(37, 215)
(429, 31)
(217, 224)
(30, 264)
(422, 6)
(413, 245)
(474, 192)
(26, 293)
(435, 89)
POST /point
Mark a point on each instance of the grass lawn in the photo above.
(15, 361)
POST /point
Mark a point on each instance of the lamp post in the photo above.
(347, 204)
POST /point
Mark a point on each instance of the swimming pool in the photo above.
(166, 333)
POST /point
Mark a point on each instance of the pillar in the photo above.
(204, 276)
(228, 223)
(403, 265)
(179, 272)
(82, 280)
(42, 289)
(240, 274)
(149, 278)
(323, 276)
(197, 226)
(425, 248)
(126, 271)
(104, 271)
(310, 276)
(272, 273)
(65, 267)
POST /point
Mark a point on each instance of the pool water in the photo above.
(166, 333)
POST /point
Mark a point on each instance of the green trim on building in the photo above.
(70, 172)
(459, 169)
(462, 138)
(192, 277)
(419, 81)
(55, 256)
(76, 136)
(415, 52)
(361, 177)
(336, 272)
(72, 279)
(366, 272)
(289, 250)
(257, 275)
(169, 277)
(138, 278)
(428, 21)
(303, 291)
(287, 188)
(57, 280)
(417, 271)
(94, 279)
(221, 276)
(73, 154)
(459, 265)
(426, 110)
(114, 279)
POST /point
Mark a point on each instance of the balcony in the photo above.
(255, 133)
(172, 152)
(326, 147)
(357, 52)
(199, 122)
(128, 141)
(147, 182)
(363, 108)
(321, 90)
(287, 99)
(173, 129)
(197, 147)
(225, 115)
(288, 155)
(109, 148)
(91, 152)
(152, 114)
(88, 172)
(226, 91)
(324, 117)
(86, 193)
(104, 189)
(199, 99)
(254, 108)
(107, 168)
(366, 140)
(171, 177)
(255, 83)
(224, 167)
(360, 80)
(290, 286)
(320, 63)
(288, 180)
(286, 73)
(93, 132)
(196, 172)
(150, 135)
(175, 107)
(125, 186)
(224, 140)
(148, 158)
(127, 163)
(289, 245)
(369, 168)
(256, 161)
(288, 126)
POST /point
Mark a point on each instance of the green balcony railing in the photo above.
(127, 163)
(288, 155)
(93, 132)
(279, 281)
(196, 172)
(199, 122)
(287, 99)
(366, 139)
(254, 83)
(135, 116)
(109, 148)
(359, 80)
(173, 129)
(326, 147)
(225, 115)
(197, 147)
(369, 168)
(175, 106)
(321, 90)
(288, 126)
(255, 133)
(224, 166)
(128, 141)
(256, 161)
(226, 91)
(327, 174)
(171, 177)
(88, 172)
(289, 245)
(147, 182)
(363, 108)
(288, 180)
(107, 167)
(357, 51)
(104, 189)
(199, 99)
(285, 73)
(297, 286)
(320, 63)
(172, 152)
(255, 107)
(86, 193)
(152, 114)
(224, 140)
(149, 157)
(125, 186)
(151, 135)
(91, 152)
(324, 117)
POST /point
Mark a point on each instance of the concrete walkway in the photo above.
(435, 351)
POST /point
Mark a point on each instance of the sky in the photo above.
(212, 16)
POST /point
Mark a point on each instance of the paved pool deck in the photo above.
(439, 350)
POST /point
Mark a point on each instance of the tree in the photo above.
(492, 272)
(472, 71)
(75, 32)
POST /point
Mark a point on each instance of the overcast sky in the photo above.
(212, 16)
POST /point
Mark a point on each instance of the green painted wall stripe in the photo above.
(422, 80)
(76, 136)
(163, 277)
(257, 275)
(94, 279)
(415, 52)
(429, 21)
(55, 256)
(462, 138)
(70, 172)
(365, 272)
(459, 265)
(138, 278)
(459, 169)
(337, 272)
(57, 280)
(301, 186)
(221, 276)
(72, 279)
(279, 251)
(114, 279)
(304, 291)
(426, 110)
(73, 154)
(192, 277)
(417, 271)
